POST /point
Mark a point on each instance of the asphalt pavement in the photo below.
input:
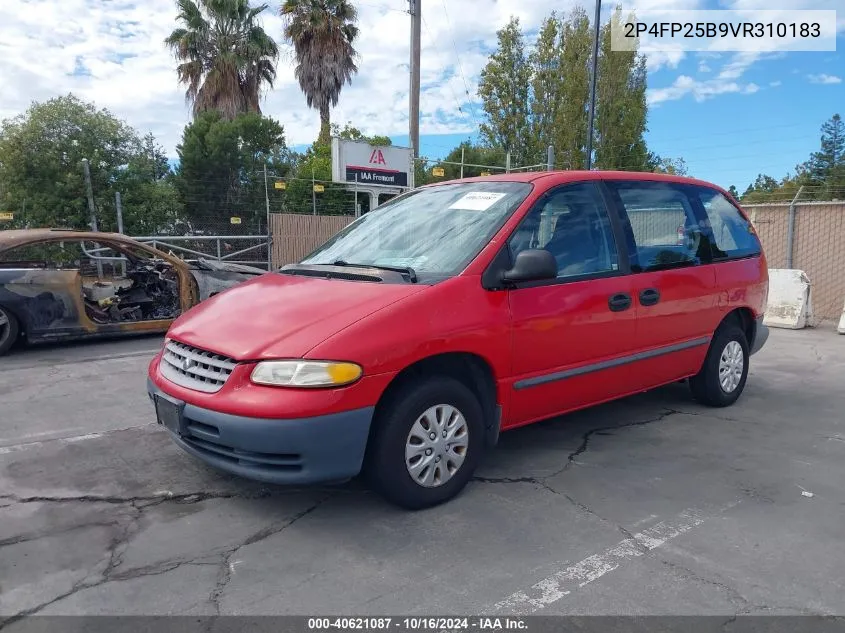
(650, 505)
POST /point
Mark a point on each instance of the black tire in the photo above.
(9, 330)
(706, 386)
(386, 469)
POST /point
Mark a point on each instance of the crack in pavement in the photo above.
(226, 566)
(537, 481)
(193, 497)
(120, 541)
(34, 536)
(686, 572)
(585, 442)
(585, 439)
(583, 446)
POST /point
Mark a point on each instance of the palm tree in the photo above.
(226, 56)
(322, 33)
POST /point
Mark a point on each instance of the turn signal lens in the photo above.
(295, 373)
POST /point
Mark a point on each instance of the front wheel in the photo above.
(428, 442)
(725, 371)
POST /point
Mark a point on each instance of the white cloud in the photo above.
(725, 82)
(741, 62)
(656, 60)
(703, 67)
(699, 90)
(824, 79)
(118, 46)
(775, 84)
(111, 52)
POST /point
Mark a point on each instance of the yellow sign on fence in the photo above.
(7, 215)
(485, 173)
(235, 220)
(280, 185)
(438, 171)
(319, 188)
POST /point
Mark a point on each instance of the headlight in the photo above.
(303, 373)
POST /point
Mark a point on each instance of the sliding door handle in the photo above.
(649, 296)
(619, 302)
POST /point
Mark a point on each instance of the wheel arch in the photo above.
(18, 313)
(469, 368)
(17, 324)
(744, 318)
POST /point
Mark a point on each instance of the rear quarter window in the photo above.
(733, 235)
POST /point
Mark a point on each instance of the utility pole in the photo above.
(86, 168)
(593, 74)
(90, 192)
(414, 97)
(267, 207)
(118, 205)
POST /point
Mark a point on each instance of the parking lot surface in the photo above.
(650, 505)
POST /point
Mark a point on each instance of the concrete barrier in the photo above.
(789, 304)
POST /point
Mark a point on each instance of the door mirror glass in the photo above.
(532, 265)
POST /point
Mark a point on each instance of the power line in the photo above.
(451, 89)
(458, 59)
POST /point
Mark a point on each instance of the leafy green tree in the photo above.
(621, 108)
(547, 85)
(323, 34)
(733, 191)
(542, 100)
(41, 170)
(832, 152)
(351, 133)
(226, 58)
(473, 156)
(762, 189)
(221, 169)
(825, 171)
(570, 131)
(149, 197)
(663, 165)
(504, 89)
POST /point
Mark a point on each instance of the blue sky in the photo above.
(730, 116)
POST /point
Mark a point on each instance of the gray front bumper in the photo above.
(320, 449)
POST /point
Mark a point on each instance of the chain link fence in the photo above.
(807, 236)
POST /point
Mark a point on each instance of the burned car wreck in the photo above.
(59, 285)
(148, 292)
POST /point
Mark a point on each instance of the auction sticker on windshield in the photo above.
(477, 201)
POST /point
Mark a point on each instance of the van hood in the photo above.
(282, 316)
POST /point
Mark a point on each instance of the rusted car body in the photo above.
(59, 285)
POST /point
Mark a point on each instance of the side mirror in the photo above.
(532, 265)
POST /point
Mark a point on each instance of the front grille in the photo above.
(195, 368)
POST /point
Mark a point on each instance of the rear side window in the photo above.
(733, 235)
(665, 229)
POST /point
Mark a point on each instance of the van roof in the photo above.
(564, 176)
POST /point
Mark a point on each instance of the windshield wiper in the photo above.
(412, 275)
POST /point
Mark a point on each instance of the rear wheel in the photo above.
(428, 442)
(9, 330)
(724, 373)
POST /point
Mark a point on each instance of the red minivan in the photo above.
(405, 344)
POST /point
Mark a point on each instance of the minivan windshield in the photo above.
(436, 230)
